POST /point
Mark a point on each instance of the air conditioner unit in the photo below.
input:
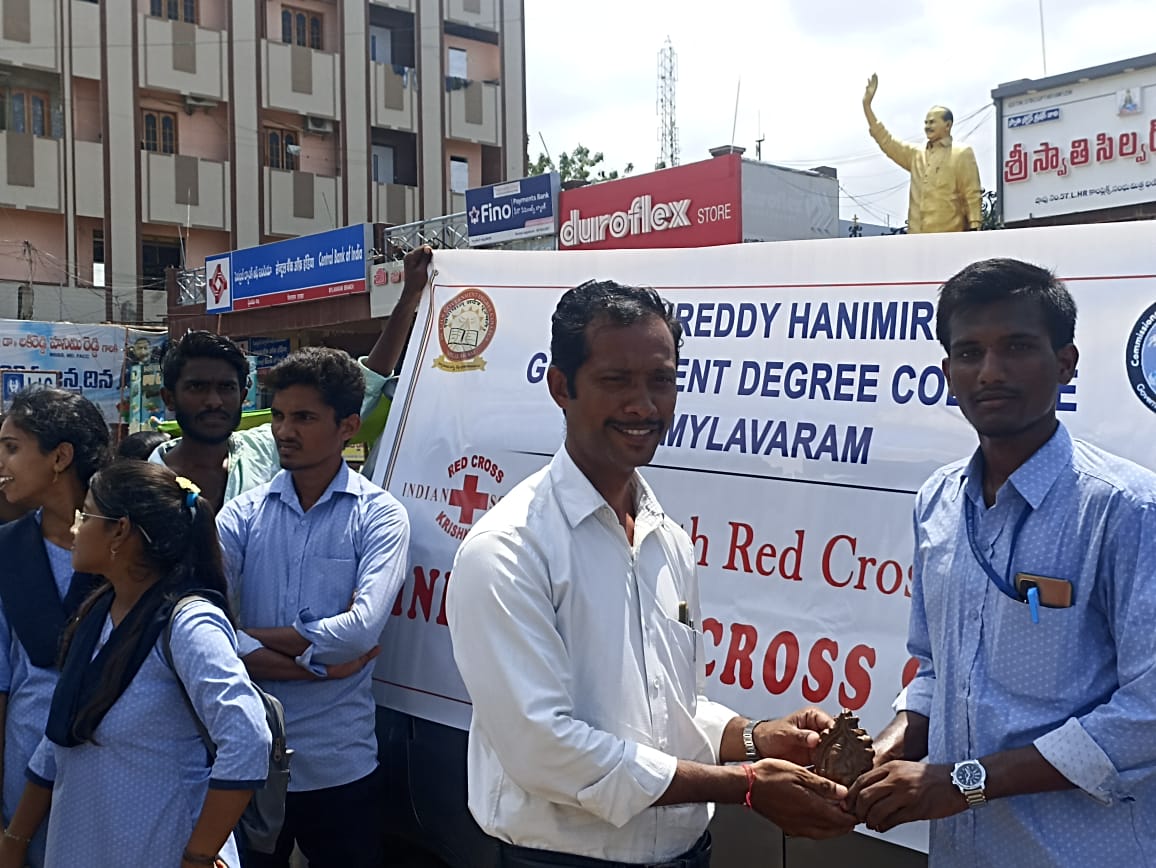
(318, 125)
(192, 103)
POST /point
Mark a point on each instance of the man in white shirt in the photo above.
(572, 612)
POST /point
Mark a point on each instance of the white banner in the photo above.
(811, 408)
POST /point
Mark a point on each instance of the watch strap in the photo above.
(975, 798)
(752, 753)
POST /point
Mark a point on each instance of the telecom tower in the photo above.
(667, 125)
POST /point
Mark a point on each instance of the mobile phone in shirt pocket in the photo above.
(1054, 593)
(328, 585)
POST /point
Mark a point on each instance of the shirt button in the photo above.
(657, 684)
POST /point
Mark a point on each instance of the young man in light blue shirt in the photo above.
(1033, 600)
(315, 558)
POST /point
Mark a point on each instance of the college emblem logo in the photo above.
(1141, 358)
(466, 325)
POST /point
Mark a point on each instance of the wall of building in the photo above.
(214, 77)
(483, 60)
(44, 233)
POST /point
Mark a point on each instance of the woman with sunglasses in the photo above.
(122, 764)
(51, 443)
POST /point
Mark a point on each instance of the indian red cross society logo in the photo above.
(471, 489)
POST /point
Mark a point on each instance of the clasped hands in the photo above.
(901, 791)
(805, 804)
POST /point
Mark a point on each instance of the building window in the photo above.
(282, 149)
(160, 132)
(98, 257)
(383, 164)
(174, 10)
(380, 44)
(157, 254)
(457, 67)
(299, 27)
(24, 111)
(459, 174)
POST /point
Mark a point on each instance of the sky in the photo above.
(798, 68)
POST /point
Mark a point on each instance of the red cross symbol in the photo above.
(468, 499)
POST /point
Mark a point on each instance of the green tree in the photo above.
(992, 219)
(578, 165)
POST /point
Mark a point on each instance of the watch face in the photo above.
(969, 775)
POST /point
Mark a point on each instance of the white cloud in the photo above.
(591, 72)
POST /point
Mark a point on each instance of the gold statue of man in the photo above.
(945, 189)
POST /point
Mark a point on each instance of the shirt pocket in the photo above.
(328, 585)
(681, 650)
(1036, 661)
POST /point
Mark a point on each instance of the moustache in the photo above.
(989, 394)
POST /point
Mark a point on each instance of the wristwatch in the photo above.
(970, 777)
(749, 740)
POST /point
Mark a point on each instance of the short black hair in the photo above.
(55, 416)
(202, 345)
(140, 444)
(601, 299)
(994, 280)
(331, 372)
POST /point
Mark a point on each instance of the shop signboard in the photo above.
(308, 268)
(1084, 144)
(696, 205)
(515, 209)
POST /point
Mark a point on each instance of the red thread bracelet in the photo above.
(749, 769)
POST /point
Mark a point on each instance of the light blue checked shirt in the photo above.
(332, 573)
(1080, 685)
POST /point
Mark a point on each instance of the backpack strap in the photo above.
(167, 650)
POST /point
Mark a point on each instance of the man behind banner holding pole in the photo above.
(1033, 600)
(573, 611)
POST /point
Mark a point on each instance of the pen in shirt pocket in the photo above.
(684, 614)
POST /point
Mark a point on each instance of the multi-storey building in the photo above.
(141, 134)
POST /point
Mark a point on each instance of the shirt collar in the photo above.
(281, 486)
(579, 498)
(945, 142)
(1033, 479)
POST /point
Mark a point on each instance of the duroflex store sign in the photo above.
(697, 205)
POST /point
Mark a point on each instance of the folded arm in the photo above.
(380, 574)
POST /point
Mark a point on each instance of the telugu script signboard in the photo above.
(1081, 146)
(308, 268)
